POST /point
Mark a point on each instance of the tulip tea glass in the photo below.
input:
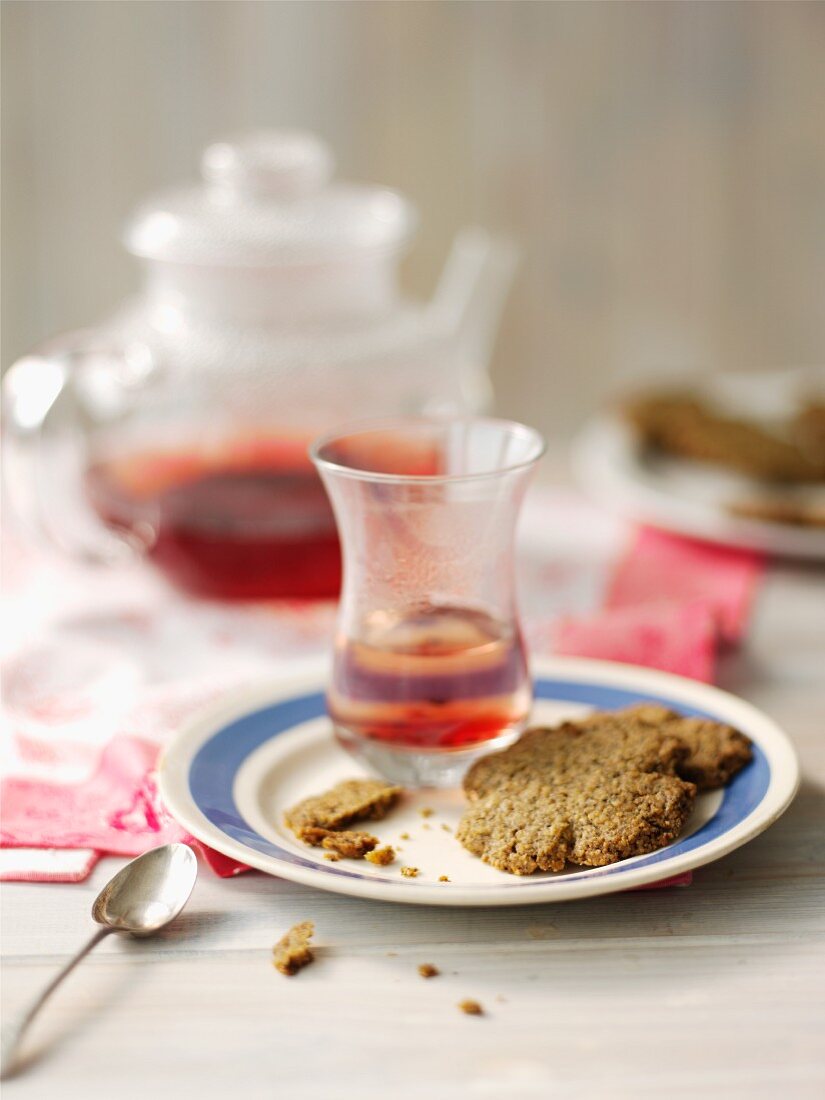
(429, 668)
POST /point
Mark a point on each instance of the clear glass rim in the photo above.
(402, 423)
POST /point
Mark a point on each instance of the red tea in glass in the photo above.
(429, 666)
(434, 678)
(247, 520)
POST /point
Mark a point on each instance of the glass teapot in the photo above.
(269, 312)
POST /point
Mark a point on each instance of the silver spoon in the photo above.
(142, 897)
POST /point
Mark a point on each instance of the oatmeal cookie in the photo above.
(346, 843)
(793, 512)
(684, 425)
(716, 752)
(348, 801)
(809, 425)
(588, 795)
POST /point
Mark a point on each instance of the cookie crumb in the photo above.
(426, 811)
(392, 954)
(405, 836)
(443, 878)
(446, 827)
(409, 872)
(427, 970)
(292, 951)
(471, 1008)
(381, 856)
(426, 826)
(333, 857)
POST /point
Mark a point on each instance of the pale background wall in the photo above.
(662, 164)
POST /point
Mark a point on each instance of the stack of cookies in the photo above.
(595, 791)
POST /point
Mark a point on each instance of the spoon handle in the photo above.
(13, 1034)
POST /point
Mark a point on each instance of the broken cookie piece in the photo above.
(409, 872)
(348, 801)
(471, 1008)
(343, 842)
(427, 970)
(350, 845)
(292, 952)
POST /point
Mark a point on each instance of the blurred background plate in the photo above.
(692, 498)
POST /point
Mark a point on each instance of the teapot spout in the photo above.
(468, 304)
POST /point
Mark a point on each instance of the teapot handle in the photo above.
(469, 301)
(46, 450)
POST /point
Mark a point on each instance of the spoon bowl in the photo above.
(149, 892)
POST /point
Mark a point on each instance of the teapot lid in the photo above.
(268, 199)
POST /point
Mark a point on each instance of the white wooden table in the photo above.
(712, 990)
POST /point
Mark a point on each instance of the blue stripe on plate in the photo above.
(215, 765)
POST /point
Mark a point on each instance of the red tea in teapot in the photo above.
(247, 520)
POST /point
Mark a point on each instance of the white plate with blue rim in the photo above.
(229, 777)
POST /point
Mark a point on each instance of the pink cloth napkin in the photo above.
(115, 811)
(662, 568)
(671, 603)
(667, 603)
